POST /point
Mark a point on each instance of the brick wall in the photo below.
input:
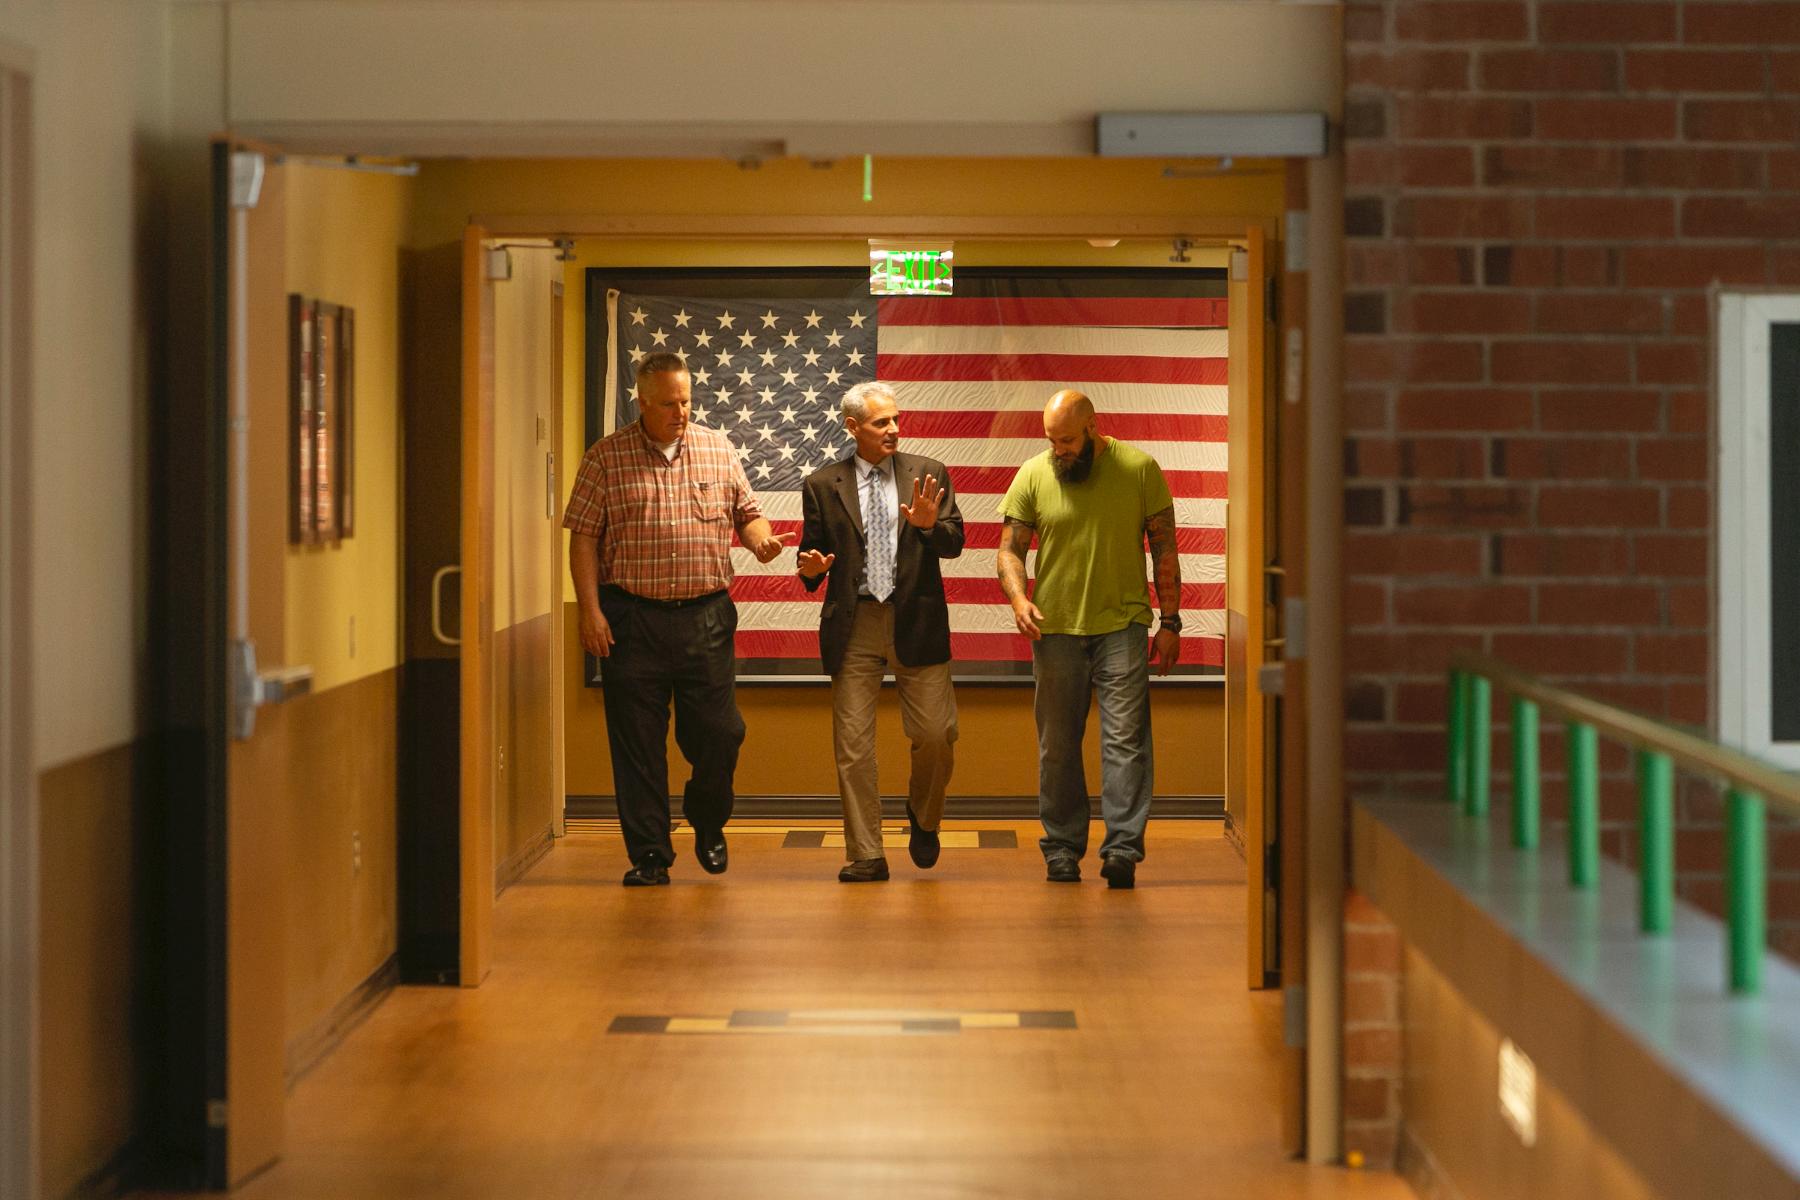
(1539, 195)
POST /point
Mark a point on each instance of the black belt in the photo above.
(686, 602)
(865, 598)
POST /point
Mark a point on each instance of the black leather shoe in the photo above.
(709, 848)
(649, 873)
(864, 870)
(923, 845)
(1119, 871)
(1062, 868)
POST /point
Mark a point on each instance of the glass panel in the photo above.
(1784, 531)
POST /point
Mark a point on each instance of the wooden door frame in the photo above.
(476, 803)
(559, 476)
(19, 1083)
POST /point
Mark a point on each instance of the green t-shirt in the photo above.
(1091, 576)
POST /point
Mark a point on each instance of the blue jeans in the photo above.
(1116, 668)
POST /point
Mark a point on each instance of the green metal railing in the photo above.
(1750, 785)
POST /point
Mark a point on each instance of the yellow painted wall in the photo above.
(345, 229)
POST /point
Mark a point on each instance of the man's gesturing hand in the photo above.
(922, 513)
(596, 634)
(770, 548)
(812, 564)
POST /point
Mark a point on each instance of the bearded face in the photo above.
(1075, 467)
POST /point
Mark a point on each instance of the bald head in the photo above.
(1069, 412)
(1069, 426)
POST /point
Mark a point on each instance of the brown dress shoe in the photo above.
(864, 870)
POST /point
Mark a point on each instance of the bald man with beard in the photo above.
(1092, 502)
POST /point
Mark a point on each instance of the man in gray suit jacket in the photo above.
(876, 525)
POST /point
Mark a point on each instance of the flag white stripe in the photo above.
(1010, 452)
(1051, 339)
(984, 507)
(979, 564)
(1179, 399)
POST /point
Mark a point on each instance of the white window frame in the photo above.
(1743, 682)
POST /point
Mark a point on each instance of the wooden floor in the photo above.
(1165, 1088)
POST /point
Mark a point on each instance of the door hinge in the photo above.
(498, 263)
(1295, 239)
(1293, 628)
(247, 168)
(215, 1114)
(1293, 1016)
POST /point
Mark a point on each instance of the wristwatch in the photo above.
(1170, 621)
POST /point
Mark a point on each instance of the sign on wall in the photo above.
(910, 269)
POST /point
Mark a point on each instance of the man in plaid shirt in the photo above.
(650, 518)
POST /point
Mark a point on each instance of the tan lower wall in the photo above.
(524, 806)
(343, 755)
(1455, 1142)
(787, 750)
(91, 1026)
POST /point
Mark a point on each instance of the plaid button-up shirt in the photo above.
(665, 525)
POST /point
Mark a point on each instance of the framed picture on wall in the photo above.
(321, 455)
(302, 408)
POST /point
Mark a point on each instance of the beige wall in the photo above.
(96, 257)
(90, 346)
(996, 77)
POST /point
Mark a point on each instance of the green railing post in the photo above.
(1746, 901)
(1525, 773)
(1480, 724)
(1656, 842)
(1584, 805)
(1456, 768)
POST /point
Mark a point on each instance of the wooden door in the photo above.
(246, 1108)
(1248, 736)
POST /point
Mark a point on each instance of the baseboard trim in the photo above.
(1234, 834)
(960, 808)
(312, 1047)
(514, 868)
(120, 1175)
(1415, 1164)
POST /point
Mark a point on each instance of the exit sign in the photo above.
(910, 270)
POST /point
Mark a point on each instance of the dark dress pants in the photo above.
(662, 653)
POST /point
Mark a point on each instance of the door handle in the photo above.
(437, 604)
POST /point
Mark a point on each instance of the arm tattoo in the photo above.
(1015, 543)
(1159, 528)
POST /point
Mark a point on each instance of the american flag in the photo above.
(971, 375)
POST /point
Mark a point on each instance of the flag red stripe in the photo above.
(1145, 311)
(1183, 485)
(985, 535)
(957, 590)
(964, 647)
(1147, 427)
(1089, 368)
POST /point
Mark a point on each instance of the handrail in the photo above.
(1696, 752)
(1660, 747)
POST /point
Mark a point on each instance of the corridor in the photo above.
(1165, 1086)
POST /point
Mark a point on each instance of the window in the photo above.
(1758, 625)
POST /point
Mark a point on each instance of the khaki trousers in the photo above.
(927, 713)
